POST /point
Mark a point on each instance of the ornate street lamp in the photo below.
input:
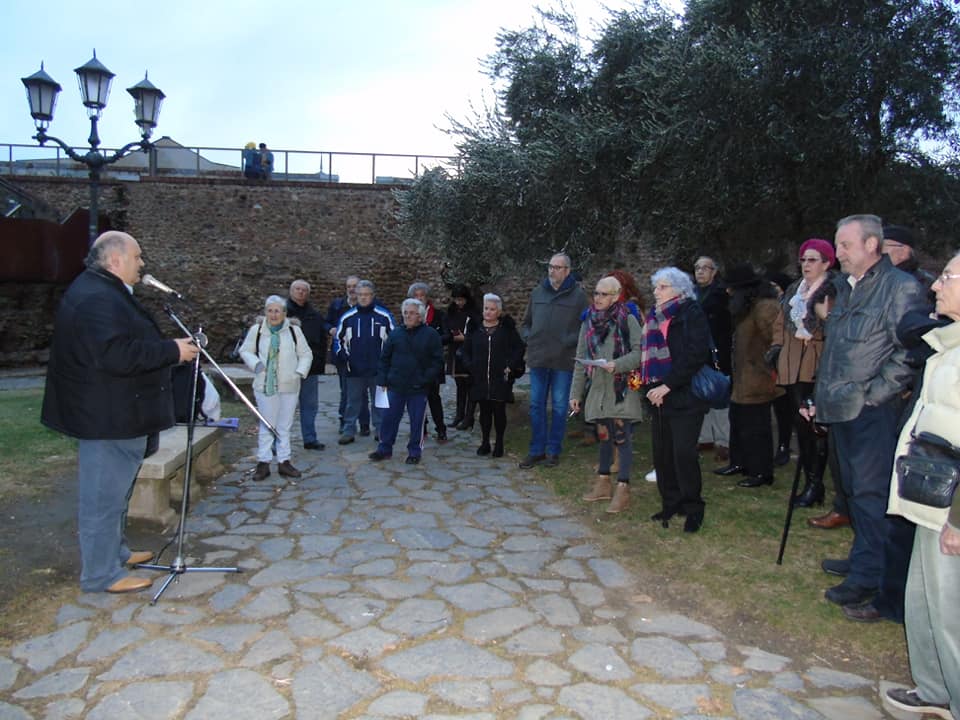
(95, 82)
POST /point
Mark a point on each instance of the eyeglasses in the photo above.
(704, 267)
(597, 293)
(559, 267)
(811, 259)
(947, 277)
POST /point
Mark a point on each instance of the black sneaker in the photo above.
(412, 459)
(839, 567)
(377, 456)
(314, 446)
(530, 460)
(364, 432)
(552, 461)
(908, 700)
(345, 439)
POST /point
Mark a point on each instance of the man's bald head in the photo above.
(118, 253)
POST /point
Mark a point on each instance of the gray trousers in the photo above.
(932, 620)
(716, 428)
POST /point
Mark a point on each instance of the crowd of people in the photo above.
(865, 357)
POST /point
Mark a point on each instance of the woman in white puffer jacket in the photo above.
(278, 354)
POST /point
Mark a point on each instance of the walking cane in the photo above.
(786, 522)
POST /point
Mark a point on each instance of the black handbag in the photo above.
(930, 471)
(711, 385)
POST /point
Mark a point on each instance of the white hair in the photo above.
(675, 278)
(495, 299)
(421, 308)
(275, 300)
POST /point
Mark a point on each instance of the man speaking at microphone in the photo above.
(108, 385)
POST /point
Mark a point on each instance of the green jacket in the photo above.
(600, 401)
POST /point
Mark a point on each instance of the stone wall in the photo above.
(226, 245)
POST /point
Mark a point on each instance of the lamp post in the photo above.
(95, 79)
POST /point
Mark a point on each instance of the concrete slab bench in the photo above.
(160, 479)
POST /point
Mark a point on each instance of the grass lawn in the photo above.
(30, 454)
(726, 574)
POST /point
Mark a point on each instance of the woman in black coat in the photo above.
(462, 316)
(493, 351)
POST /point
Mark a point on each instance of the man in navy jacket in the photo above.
(108, 384)
(360, 336)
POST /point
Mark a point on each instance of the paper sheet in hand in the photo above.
(380, 399)
(587, 362)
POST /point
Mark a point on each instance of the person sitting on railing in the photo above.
(266, 162)
(251, 162)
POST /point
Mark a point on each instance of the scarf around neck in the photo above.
(798, 307)
(600, 324)
(655, 359)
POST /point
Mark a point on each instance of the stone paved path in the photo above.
(452, 589)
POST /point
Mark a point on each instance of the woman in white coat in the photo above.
(278, 354)
(933, 583)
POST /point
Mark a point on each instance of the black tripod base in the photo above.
(175, 571)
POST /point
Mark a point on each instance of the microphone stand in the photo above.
(178, 567)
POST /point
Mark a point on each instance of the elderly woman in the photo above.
(279, 355)
(676, 344)
(410, 361)
(435, 319)
(933, 583)
(493, 352)
(795, 353)
(610, 339)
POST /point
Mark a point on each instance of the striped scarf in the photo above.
(601, 322)
(273, 357)
(655, 354)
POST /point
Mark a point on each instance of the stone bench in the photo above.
(160, 479)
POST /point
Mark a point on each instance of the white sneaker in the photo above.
(651, 476)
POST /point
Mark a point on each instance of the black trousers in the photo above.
(812, 447)
(783, 411)
(751, 438)
(436, 409)
(676, 460)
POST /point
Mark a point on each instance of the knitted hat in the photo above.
(898, 233)
(821, 246)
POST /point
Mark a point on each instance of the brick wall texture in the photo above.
(226, 245)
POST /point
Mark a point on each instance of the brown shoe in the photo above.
(621, 498)
(262, 472)
(142, 556)
(829, 521)
(130, 584)
(602, 489)
(721, 454)
(288, 470)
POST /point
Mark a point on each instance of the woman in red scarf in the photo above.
(608, 349)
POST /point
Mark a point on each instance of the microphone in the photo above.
(151, 281)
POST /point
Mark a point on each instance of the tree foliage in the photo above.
(739, 128)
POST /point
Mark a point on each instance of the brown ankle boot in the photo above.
(602, 489)
(288, 470)
(262, 472)
(621, 498)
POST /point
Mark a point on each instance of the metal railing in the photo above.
(167, 158)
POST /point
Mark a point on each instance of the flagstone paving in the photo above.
(456, 588)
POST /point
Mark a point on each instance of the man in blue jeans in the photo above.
(551, 327)
(315, 330)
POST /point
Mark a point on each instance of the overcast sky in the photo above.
(361, 76)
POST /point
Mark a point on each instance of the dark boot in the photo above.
(467, 422)
(498, 447)
(782, 456)
(812, 493)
